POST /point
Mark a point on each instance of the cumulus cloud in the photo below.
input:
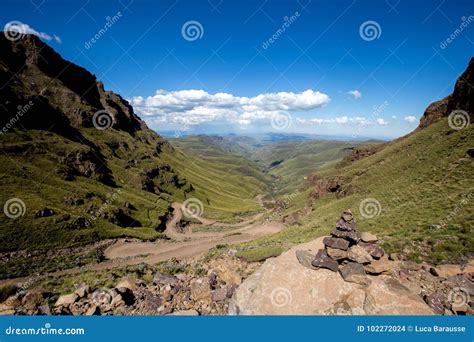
(196, 106)
(23, 28)
(381, 121)
(410, 119)
(355, 94)
(339, 120)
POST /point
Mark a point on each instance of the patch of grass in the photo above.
(260, 253)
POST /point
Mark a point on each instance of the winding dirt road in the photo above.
(179, 245)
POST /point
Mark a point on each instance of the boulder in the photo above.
(367, 237)
(344, 225)
(305, 258)
(373, 249)
(33, 298)
(200, 289)
(322, 260)
(336, 254)
(282, 286)
(354, 272)
(126, 283)
(436, 302)
(164, 279)
(347, 215)
(66, 300)
(359, 255)
(350, 235)
(82, 291)
(336, 243)
(218, 295)
(45, 212)
(380, 266)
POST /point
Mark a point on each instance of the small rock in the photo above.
(368, 237)
(378, 266)
(349, 235)
(322, 260)
(393, 256)
(336, 243)
(82, 291)
(117, 301)
(200, 289)
(151, 301)
(354, 273)
(126, 284)
(45, 212)
(33, 298)
(344, 225)
(66, 300)
(336, 254)
(305, 258)
(219, 294)
(93, 310)
(433, 271)
(436, 302)
(347, 215)
(359, 254)
(164, 279)
(373, 249)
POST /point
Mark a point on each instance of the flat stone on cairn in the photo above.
(351, 253)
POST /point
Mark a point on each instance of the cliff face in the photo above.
(462, 98)
(64, 96)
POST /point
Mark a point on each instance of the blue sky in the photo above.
(257, 66)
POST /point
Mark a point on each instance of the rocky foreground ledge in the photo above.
(348, 273)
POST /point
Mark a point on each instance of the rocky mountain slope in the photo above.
(78, 166)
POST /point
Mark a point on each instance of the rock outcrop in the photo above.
(462, 98)
(349, 274)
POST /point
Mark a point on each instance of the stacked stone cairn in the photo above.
(351, 253)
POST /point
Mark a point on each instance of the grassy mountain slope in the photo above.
(419, 181)
(80, 184)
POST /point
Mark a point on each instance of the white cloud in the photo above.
(355, 94)
(196, 106)
(381, 121)
(23, 28)
(410, 119)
